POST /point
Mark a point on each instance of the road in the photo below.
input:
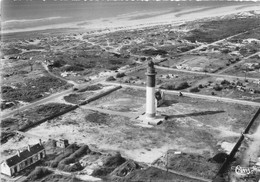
(36, 103)
(204, 73)
(239, 62)
(53, 75)
(218, 41)
(49, 98)
(193, 95)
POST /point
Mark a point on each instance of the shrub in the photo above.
(38, 173)
(6, 89)
(168, 86)
(225, 82)
(120, 75)
(58, 63)
(8, 122)
(143, 58)
(152, 52)
(181, 86)
(220, 157)
(65, 163)
(217, 87)
(112, 67)
(101, 172)
(194, 89)
(115, 160)
(115, 61)
(68, 151)
(110, 164)
(74, 68)
(225, 51)
(91, 87)
(111, 78)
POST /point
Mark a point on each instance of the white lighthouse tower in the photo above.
(150, 91)
(150, 117)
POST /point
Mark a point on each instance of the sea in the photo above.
(22, 14)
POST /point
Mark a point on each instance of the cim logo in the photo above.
(246, 170)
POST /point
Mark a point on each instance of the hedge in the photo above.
(38, 173)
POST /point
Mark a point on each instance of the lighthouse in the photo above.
(150, 91)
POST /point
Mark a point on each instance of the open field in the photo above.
(213, 130)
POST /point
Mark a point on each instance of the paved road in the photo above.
(193, 95)
(209, 74)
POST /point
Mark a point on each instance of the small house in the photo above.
(23, 159)
(62, 143)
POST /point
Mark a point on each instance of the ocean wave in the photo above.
(32, 20)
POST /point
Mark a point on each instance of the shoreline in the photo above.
(131, 21)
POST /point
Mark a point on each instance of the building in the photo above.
(159, 98)
(62, 143)
(23, 159)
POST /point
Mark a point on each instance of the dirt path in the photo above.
(239, 62)
(47, 69)
(193, 95)
(125, 114)
(209, 74)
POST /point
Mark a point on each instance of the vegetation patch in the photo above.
(214, 30)
(10, 51)
(51, 108)
(70, 164)
(91, 88)
(8, 122)
(177, 86)
(110, 165)
(38, 173)
(96, 117)
(68, 151)
(73, 68)
(60, 178)
(33, 89)
(154, 174)
(151, 52)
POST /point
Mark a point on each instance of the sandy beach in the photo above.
(145, 19)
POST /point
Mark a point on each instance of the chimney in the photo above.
(40, 141)
(29, 148)
(18, 153)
